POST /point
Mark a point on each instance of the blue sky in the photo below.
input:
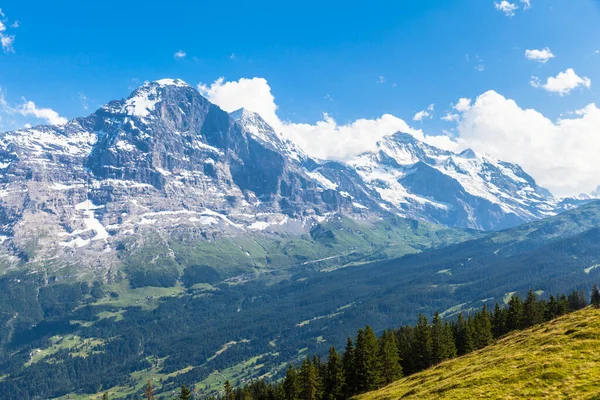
(350, 60)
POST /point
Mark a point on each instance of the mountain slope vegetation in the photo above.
(557, 359)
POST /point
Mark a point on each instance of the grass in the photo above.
(77, 347)
(556, 360)
(147, 297)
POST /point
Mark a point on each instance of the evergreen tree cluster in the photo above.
(370, 362)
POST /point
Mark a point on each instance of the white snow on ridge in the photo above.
(87, 205)
(324, 182)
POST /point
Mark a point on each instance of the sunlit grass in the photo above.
(559, 359)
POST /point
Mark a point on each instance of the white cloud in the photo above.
(232, 56)
(7, 43)
(84, 101)
(324, 139)
(428, 113)
(180, 54)
(506, 7)
(6, 39)
(563, 83)
(462, 105)
(561, 156)
(28, 108)
(541, 56)
(526, 4)
(451, 117)
(381, 79)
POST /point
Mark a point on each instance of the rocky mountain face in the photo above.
(466, 190)
(167, 164)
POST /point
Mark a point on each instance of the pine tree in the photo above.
(105, 396)
(463, 336)
(321, 369)
(499, 318)
(422, 344)
(229, 393)
(389, 357)
(185, 394)
(149, 391)
(482, 329)
(442, 340)
(563, 305)
(334, 379)
(309, 385)
(291, 384)
(406, 339)
(349, 370)
(577, 300)
(366, 361)
(532, 313)
(595, 299)
(551, 309)
(515, 314)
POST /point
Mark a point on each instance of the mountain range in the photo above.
(167, 170)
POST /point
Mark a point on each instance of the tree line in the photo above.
(369, 362)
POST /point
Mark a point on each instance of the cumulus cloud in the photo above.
(541, 56)
(451, 117)
(561, 155)
(463, 104)
(506, 7)
(563, 83)
(7, 40)
(427, 113)
(28, 108)
(325, 139)
(180, 54)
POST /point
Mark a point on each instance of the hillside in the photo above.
(558, 359)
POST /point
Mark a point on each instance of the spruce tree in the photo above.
(463, 336)
(595, 298)
(366, 361)
(185, 394)
(532, 312)
(482, 329)
(499, 318)
(309, 384)
(422, 344)
(389, 357)
(406, 339)
(291, 384)
(577, 300)
(551, 309)
(563, 305)
(334, 379)
(442, 340)
(105, 396)
(514, 318)
(348, 364)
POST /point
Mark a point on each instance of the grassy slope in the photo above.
(559, 359)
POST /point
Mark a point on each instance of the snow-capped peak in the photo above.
(172, 82)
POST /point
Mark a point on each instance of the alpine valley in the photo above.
(163, 238)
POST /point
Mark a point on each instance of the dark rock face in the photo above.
(166, 163)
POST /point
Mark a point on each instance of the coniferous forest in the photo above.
(369, 362)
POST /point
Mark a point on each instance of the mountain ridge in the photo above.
(165, 164)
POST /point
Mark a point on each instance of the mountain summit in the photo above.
(165, 165)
